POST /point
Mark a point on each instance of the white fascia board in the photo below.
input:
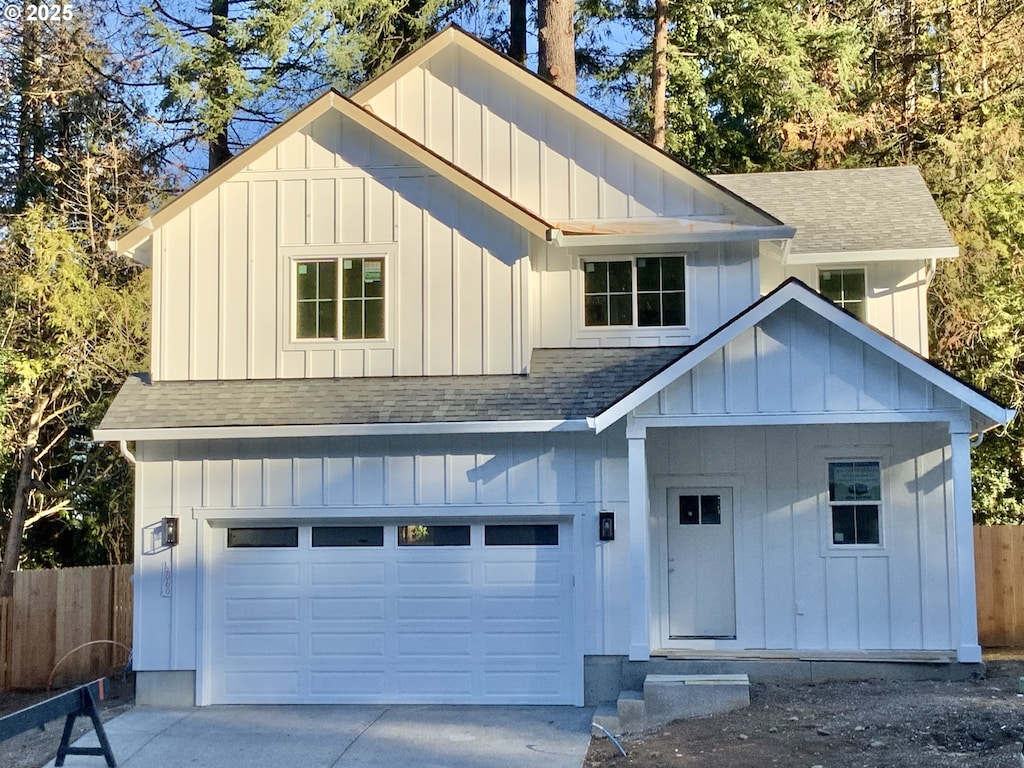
(562, 240)
(853, 257)
(810, 417)
(794, 291)
(339, 430)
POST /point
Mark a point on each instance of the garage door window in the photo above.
(433, 535)
(348, 536)
(521, 535)
(262, 537)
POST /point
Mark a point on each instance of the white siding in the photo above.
(454, 284)
(796, 362)
(793, 589)
(721, 281)
(897, 295)
(526, 147)
(344, 478)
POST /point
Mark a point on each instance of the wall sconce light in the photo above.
(170, 531)
(606, 526)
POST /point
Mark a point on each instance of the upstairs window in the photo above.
(846, 288)
(358, 291)
(647, 291)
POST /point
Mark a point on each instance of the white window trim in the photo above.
(290, 255)
(848, 268)
(833, 549)
(579, 294)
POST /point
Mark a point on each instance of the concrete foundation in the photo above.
(604, 677)
(165, 688)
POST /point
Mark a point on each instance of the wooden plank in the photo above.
(34, 628)
(5, 642)
(999, 568)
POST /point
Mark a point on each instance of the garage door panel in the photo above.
(433, 609)
(261, 608)
(348, 608)
(439, 683)
(267, 574)
(392, 624)
(345, 645)
(531, 573)
(435, 573)
(262, 644)
(434, 644)
(347, 574)
(524, 685)
(365, 683)
(518, 606)
(257, 684)
(511, 645)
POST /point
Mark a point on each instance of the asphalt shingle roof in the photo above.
(862, 209)
(562, 384)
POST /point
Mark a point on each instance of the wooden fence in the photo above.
(999, 569)
(45, 625)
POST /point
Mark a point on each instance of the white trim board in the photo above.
(340, 430)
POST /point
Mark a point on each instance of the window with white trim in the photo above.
(355, 286)
(644, 292)
(855, 501)
(847, 288)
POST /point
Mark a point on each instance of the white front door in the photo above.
(701, 571)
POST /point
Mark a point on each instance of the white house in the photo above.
(462, 393)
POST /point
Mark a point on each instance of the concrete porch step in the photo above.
(671, 697)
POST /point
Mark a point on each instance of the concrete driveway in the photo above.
(429, 736)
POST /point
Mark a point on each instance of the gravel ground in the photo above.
(873, 724)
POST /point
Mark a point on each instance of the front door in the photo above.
(701, 573)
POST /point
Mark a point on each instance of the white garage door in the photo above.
(457, 613)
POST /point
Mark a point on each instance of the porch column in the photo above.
(639, 548)
(968, 649)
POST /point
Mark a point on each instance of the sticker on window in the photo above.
(372, 271)
(303, 269)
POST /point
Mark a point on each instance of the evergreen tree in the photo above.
(72, 316)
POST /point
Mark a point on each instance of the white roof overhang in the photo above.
(984, 412)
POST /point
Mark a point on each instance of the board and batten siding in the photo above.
(526, 147)
(415, 479)
(897, 294)
(794, 590)
(455, 272)
(721, 281)
(793, 362)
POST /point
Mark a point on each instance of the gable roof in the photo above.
(337, 101)
(564, 386)
(846, 214)
(453, 35)
(793, 290)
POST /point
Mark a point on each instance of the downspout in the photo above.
(929, 275)
(977, 440)
(128, 455)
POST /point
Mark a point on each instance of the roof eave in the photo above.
(858, 256)
(114, 434)
(747, 234)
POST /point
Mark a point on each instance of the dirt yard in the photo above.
(35, 748)
(875, 724)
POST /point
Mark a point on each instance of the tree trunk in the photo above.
(16, 526)
(659, 73)
(556, 43)
(220, 153)
(517, 31)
